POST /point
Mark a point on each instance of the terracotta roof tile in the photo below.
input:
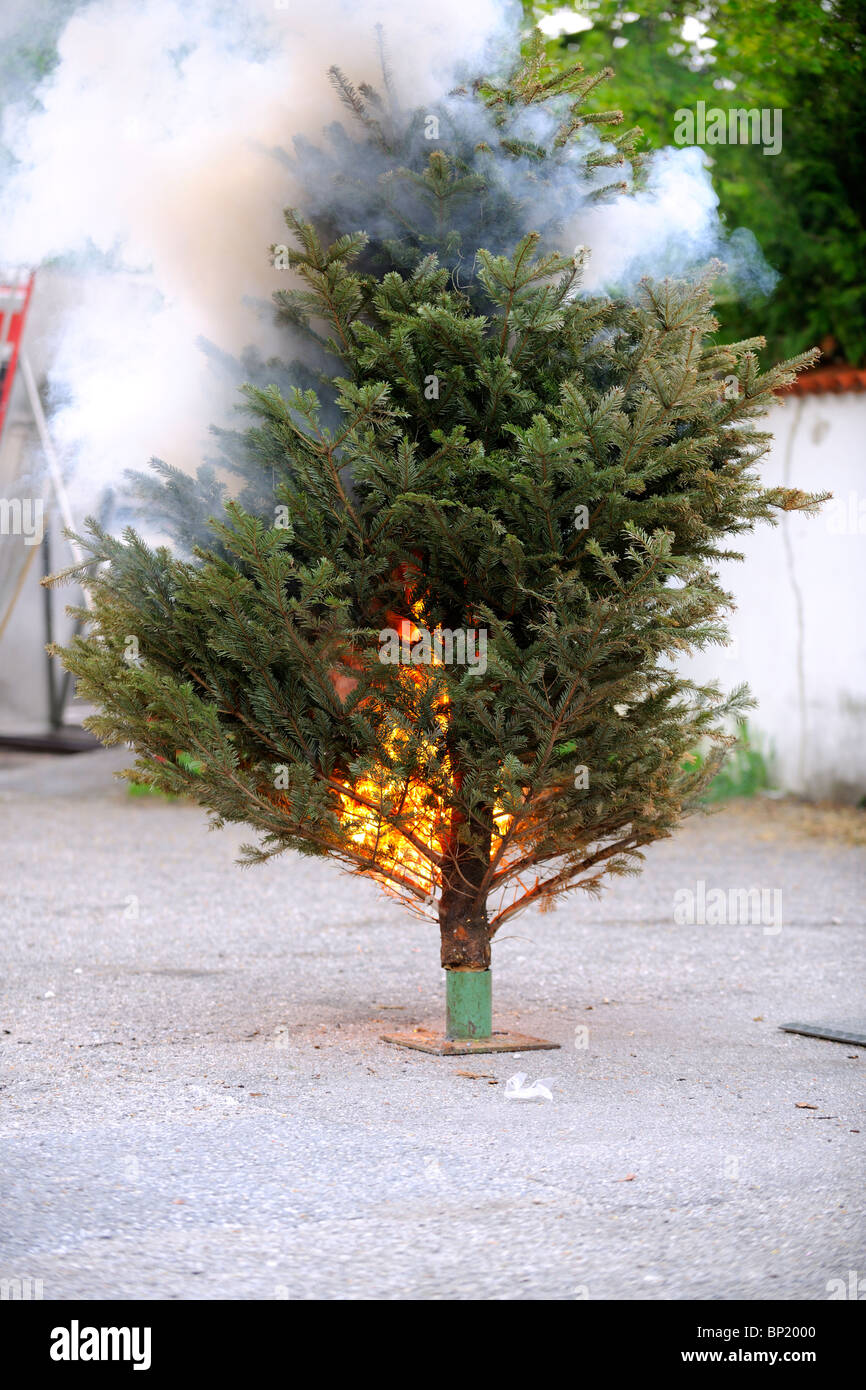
(821, 380)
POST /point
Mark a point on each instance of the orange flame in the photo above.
(421, 810)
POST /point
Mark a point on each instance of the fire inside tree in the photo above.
(567, 490)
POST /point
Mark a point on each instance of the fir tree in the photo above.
(491, 457)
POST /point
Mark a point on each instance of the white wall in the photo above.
(799, 631)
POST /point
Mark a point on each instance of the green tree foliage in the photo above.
(807, 205)
(492, 451)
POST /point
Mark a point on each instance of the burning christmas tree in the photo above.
(434, 635)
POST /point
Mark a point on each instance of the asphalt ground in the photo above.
(195, 1101)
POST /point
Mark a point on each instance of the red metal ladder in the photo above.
(16, 288)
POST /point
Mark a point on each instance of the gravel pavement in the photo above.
(195, 1102)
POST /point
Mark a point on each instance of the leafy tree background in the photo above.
(807, 205)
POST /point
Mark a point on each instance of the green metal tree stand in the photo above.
(468, 1022)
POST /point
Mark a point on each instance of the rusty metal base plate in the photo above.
(425, 1040)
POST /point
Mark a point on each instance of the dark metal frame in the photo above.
(59, 738)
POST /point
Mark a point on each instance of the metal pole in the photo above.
(50, 453)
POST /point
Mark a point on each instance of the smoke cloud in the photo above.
(145, 172)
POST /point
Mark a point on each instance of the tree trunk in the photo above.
(463, 923)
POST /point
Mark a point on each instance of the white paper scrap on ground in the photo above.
(517, 1089)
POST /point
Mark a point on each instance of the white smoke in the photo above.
(148, 161)
(147, 165)
(669, 222)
